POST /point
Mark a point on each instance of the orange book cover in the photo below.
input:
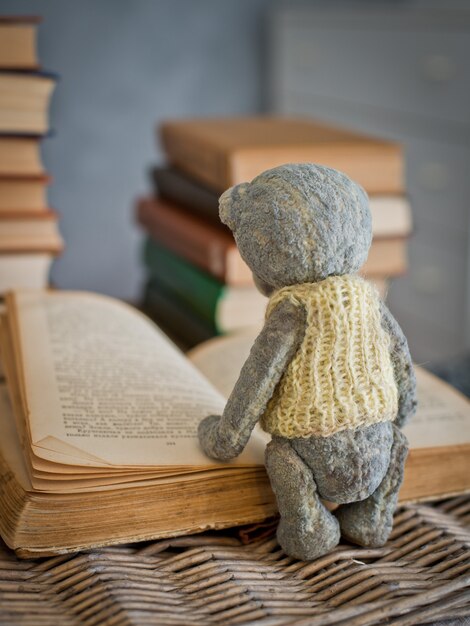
(224, 152)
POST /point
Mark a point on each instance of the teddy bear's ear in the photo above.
(229, 209)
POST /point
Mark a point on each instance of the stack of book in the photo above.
(197, 283)
(29, 236)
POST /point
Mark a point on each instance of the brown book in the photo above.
(391, 215)
(387, 258)
(225, 152)
(209, 246)
(24, 102)
(213, 248)
(30, 232)
(20, 156)
(98, 436)
(438, 464)
(23, 193)
(18, 34)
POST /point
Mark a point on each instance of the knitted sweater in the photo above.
(341, 377)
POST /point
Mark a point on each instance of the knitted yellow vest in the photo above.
(341, 376)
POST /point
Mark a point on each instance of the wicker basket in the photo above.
(421, 576)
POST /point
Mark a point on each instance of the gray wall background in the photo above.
(398, 70)
(125, 65)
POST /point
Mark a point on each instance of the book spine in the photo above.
(199, 242)
(195, 288)
(33, 247)
(34, 179)
(387, 258)
(183, 190)
(30, 215)
(194, 156)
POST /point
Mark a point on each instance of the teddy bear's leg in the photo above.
(369, 522)
(349, 465)
(306, 529)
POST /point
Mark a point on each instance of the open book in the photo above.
(98, 432)
(98, 425)
(438, 463)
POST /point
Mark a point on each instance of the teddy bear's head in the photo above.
(298, 223)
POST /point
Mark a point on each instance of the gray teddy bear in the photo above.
(330, 374)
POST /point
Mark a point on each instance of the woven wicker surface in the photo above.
(421, 576)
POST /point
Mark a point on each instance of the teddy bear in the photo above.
(329, 376)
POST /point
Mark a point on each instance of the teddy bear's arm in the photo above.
(224, 437)
(402, 367)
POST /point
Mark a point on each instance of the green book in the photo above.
(224, 307)
(174, 318)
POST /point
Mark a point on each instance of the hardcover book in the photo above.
(223, 152)
(98, 440)
(20, 156)
(31, 231)
(99, 444)
(175, 319)
(24, 271)
(18, 34)
(223, 308)
(24, 102)
(391, 214)
(23, 193)
(209, 246)
(29, 236)
(212, 248)
(438, 462)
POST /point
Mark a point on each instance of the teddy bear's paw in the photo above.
(309, 538)
(307, 529)
(364, 524)
(369, 522)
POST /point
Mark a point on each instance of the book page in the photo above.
(443, 415)
(221, 359)
(100, 377)
(442, 419)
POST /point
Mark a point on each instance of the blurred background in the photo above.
(397, 70)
